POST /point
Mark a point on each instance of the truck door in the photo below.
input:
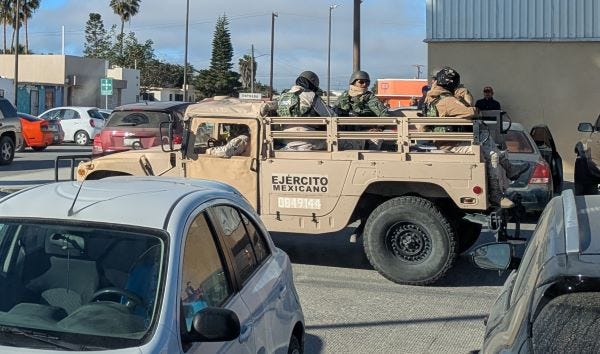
(238, 170)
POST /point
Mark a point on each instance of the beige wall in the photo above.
(557, 84)
(46, 69)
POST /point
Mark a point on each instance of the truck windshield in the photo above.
(82, 285)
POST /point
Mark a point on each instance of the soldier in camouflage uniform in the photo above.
(358, 101)
(237, 144)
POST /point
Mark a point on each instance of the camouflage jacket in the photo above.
(365, 105)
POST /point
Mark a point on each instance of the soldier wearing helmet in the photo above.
(302, 99)
(441, 100)
(358, 100)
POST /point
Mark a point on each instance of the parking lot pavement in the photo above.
(350, 308)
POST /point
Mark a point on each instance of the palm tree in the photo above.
(13, 22)
(246, 71)
(126, 9)
(6, 17)
(28, 7)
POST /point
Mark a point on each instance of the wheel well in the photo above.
(379, 192)
(10, 135)
(567, 285)
(298, 332)
(104, 174)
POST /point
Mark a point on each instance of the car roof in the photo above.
(127, 200)
(153, 106)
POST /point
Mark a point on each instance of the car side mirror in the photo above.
(585, 127)
(213, 324)
(493, 256)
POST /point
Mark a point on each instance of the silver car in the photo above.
(142, 265)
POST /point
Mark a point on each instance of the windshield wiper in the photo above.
(127, 124)
(43, 338)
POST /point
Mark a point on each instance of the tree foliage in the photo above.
(247, 71)
(125, 9)
(97, 41)
(160, 74)
(219, 79)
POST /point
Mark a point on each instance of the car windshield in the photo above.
(139, 119)
(89, 285)
(518, 143)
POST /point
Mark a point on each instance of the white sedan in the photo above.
(80, 124)
(142, 265)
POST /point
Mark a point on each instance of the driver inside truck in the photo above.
(237, 137)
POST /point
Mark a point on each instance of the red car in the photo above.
(137, 126)
(38, 133)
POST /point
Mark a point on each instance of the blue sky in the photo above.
(392, 33)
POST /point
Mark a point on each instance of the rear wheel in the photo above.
(409, 241)
(82, 138)
(585, 183)
(7, 150)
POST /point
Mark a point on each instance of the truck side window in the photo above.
(204, 281)
(203, 133)
(237, 240)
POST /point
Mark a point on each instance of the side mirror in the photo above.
(492, 256)
(585, 127)
(213, 324)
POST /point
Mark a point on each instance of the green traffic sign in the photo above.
(106, 87)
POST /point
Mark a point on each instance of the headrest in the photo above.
(64, 245)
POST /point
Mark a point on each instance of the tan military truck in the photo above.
(412, 196)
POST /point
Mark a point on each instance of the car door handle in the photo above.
(245, 332)
(282, 291)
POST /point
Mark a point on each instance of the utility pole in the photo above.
(252, 70)
(331, 7)
(273, 15)
(16, 49)
(185, 55)
(356, 53)
(418, 67)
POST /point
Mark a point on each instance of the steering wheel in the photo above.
(133, 300)
(212, 142)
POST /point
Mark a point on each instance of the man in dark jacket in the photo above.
(488, 103)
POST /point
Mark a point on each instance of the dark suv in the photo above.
(10, 132)
(137, 126)
(551, 304)
(587, 173)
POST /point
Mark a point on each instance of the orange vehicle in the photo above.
(38, 133)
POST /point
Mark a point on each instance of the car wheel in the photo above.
(409, 241)
(82, 138)
(7, 150)
(294, 347)
(585, 183)
(467, 233)
(39, 148)
(568, 324)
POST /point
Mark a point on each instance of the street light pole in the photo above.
(356, 52)
(252, 70)
(185, 55)
(273, 15)
(16, 49)
(331, 7)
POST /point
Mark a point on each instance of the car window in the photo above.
(526, 268)
(518, 143)
(138, 119)
(69, 114)
(237, 240)
(54, 114)
(204, 281)
(204, 133)
(259, 244)
(7, 109)
(94, 113)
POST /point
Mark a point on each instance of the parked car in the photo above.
(187, 267)
(551, 303)
(587, 150)
(80, 124)
(10, 132)
(105, 113)
(138, 125)
(39, 133)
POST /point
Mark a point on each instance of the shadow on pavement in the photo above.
(313, 344)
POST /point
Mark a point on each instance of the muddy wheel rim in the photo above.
(409, 242)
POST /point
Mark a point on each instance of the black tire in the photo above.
(467, 233)
(7, 150)
(409, 241)
(39, 148)
(295, 347)
(568, 324)
(585, 183)
(81, 138)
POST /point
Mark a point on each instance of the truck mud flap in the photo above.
(72, 159)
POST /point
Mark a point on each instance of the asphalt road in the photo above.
(349, 307)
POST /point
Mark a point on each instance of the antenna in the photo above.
(418, 67)
(70, 212)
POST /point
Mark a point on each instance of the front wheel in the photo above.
(294, 347)
(82, 138)
(7, 150)
(409, 241)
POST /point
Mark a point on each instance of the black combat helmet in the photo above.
(312, 78)
(359, 75)
(448, 78)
